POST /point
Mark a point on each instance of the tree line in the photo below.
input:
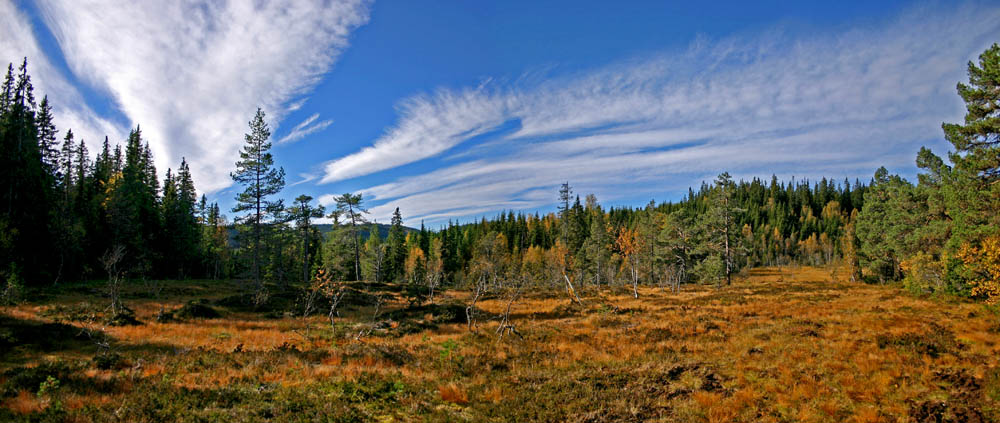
(62, 211)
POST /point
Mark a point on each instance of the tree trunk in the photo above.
(305, 256)
(635, 281)
(571, 289)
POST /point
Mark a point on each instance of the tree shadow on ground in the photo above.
(19, 336)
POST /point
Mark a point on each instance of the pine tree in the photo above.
(350, 208)
(977, 142)
(878, 228)
(974, 189)
(717, 231)
(256, 172)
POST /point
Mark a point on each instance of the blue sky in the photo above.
(453, 110)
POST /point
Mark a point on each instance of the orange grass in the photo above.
(453, 393)
(788, 344)
(25, 403)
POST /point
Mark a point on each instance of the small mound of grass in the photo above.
(936, 341)
(125, 317)
(196, 310)
(440, 313)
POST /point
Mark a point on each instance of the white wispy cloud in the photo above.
(296, 105)
(193, 72)
(792, 104)
(17, 41)
(432, 124)
(305, 177)
(304, 128)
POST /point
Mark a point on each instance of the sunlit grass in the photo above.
(776, 346)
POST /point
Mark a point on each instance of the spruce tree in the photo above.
(188, 232)
(66, 170)
(396, 250)
(47, 144)
(26, 183)
(303, 213)
(134, 211)
(171, 216)
(565, 194)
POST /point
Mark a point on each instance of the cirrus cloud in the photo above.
(805, 104)
(192, 72)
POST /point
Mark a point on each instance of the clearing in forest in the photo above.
(791, 344)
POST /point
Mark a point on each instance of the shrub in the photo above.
(13, 289)
(109, 361)
(983, 264)
(124, 317)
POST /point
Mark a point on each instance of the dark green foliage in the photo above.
(29, 378)
(976, 142)
(109, 361)
(338, 253)
(303, 212)
(134, 207)
(183, 241)
(972, 190)
(60, 211)
(765, 223)
(396, 248)
(26, 184)
(255, 170)
(881, 230)
(916, 231)
(350, 209)
(124, 317)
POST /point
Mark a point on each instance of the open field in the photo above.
(778, 345)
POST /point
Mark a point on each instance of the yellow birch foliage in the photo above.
(984, 261)
(415, 261)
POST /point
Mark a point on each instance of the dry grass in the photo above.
(778, 345)
(453, 393)
(25, 403)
